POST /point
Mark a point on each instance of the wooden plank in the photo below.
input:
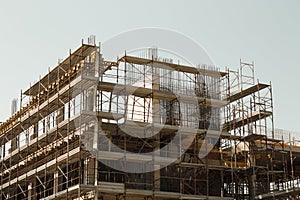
(236, 123)
(243, 93)
(182, 68)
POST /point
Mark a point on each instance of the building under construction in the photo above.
(143, 127)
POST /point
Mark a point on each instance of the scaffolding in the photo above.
(146, 128)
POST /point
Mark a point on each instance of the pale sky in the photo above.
(34, 34)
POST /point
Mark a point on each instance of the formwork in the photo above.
(143, 127)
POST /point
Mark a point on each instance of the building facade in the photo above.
(144, 128)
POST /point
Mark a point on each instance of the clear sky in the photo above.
(34, 34)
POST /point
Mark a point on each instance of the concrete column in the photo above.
(252, 181)
(60, 115)
(55, 185)
(91, 99)
(96, 179)
(29, 191)
(14, 143)
(89, 171)
(156, 119)
(85, 171)
(96, 134)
